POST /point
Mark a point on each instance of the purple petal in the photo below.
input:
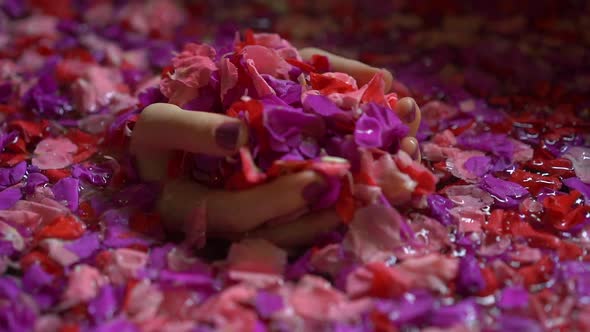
(478, 165)
(67, 190)
(9, 197)
(12, 175)
(84, 246)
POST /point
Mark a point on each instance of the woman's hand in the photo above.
(163, 128)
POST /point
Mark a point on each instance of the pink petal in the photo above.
(314, 298)
(58, 253)
(27, 219)
(274, 41)
(430, 233)
(374, 233)
(435, 111)
(262, 88)
(258, 256)
(445, 138)
(360, 282)
(328, 260)
(46, 212)
(522, 152)
(47, 323)
(226, 310)
(125, 264)
(433, 271)
(10, 234)
(84, 283)
(192, 70)
(525, 254)
(467, 195)
(580, 158)
(468, 219)
(178, 93)
(143, 301)
(229, 76)
(396, 185)
(266, 61)
(194, 65)
(348, 100)
(54, 153)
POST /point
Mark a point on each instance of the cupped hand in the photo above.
(191, 207)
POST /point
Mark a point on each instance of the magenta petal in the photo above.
(368, 133)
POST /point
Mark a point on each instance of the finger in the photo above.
(168, 127)
(411, 147)
(409, 112)
(361, 72)
(240, 211)
(301, 232)
(249, 209)
(152, 165)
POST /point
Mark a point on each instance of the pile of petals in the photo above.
(300, 116)
(490, 232)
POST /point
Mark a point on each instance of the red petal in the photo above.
(130, 286)
(534, 183)
(425, 179)
(146, 223)
(557, 167)
(11, 159)
(536, 239)
(19, 146)
(41, 258)
(573, 218)
(560, 213)
(346, 205)
(569, 251)
(30, 129)
(60, 8)
(8, 109)
(69, 327)
(375, 91)
(491, 282)
(88, 215)
(459, 130)
(103, 259)
(383, 284)
(80, 138)
(301, 65)
(64, 227)
(381, 322)
(254, 110)
(176, 164)
(495, 223)
(537, 273)
(79, 54)
(84, 153)
(55, 175)
(320, 63)
(327, 85)
(250, 174)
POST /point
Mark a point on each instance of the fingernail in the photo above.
(410, 116)
(227, 135)
(314, 191)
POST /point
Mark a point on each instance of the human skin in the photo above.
(162, 128)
